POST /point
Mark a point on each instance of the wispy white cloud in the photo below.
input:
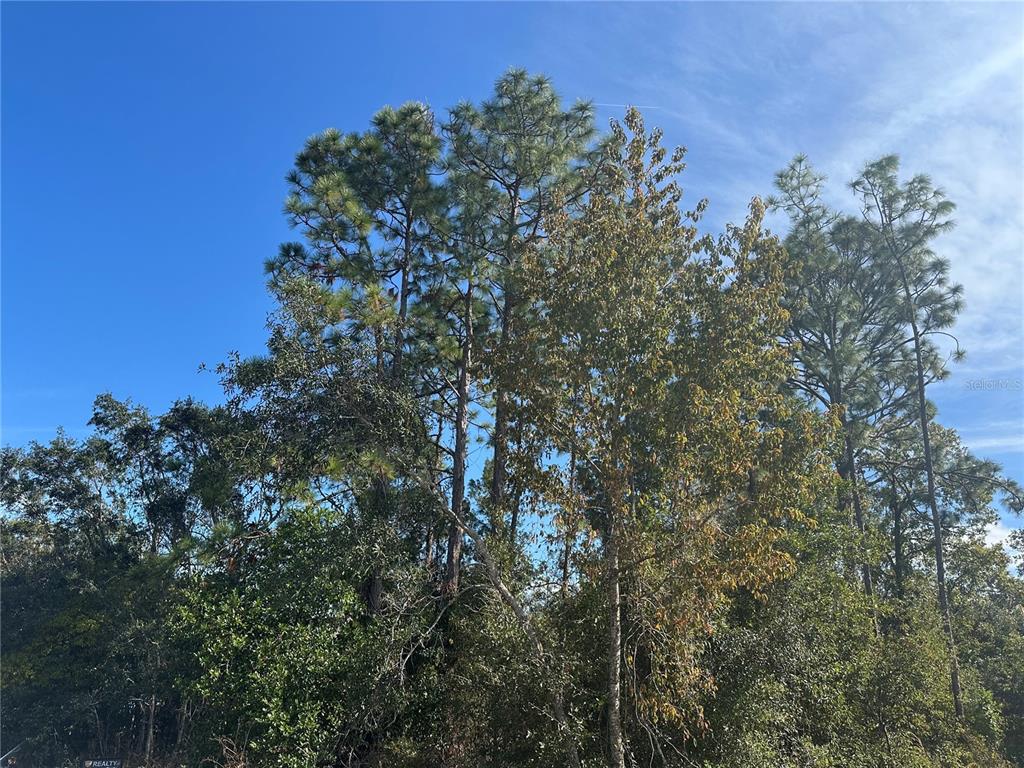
(747, 86)
(997, 534)
(1011, 443)
(955, 111)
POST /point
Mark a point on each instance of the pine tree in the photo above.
(906, 218)
(525, 147)
(844, 329)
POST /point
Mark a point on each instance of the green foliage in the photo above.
(654, 566)
(286, 662)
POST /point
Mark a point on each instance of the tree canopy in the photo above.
(536, 470)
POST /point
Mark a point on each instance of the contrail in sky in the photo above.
(624, 106)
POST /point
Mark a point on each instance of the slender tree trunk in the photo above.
(617, 752)
(898, 543)
(858, 510)
(101, 739)
(858, 516)
(403, 306)
(139, 741)
(375, 592)
(499, 461)
(375, 586)
(375, 581)
(378, 343)
(851, 499)
(940, 561)
(429, 546)
(500, 458)
(514, 502)
(494, 576)
(183, 720)
(513, 522)
(149, 728)
(451, 581)
(567, 538)
(891, 762)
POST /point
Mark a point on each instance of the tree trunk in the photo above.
(499, 461)
(375, 581)
(858, 516)
(183, 721)
(858, 511)
(567, 537)
(940, 561)
(139, 740)
(378, 344)
(429, 546)
(149, 728)
(101, 739)
(898, 543)
(617, 752)
(557, 695)
(374, 592)
(514, 501)
(500, 458)
(451, 581)
(403, 307)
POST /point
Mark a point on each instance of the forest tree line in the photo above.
(535, 471)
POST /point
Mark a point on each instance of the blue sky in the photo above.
(144, 148)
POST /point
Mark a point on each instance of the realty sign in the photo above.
(103, 763)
